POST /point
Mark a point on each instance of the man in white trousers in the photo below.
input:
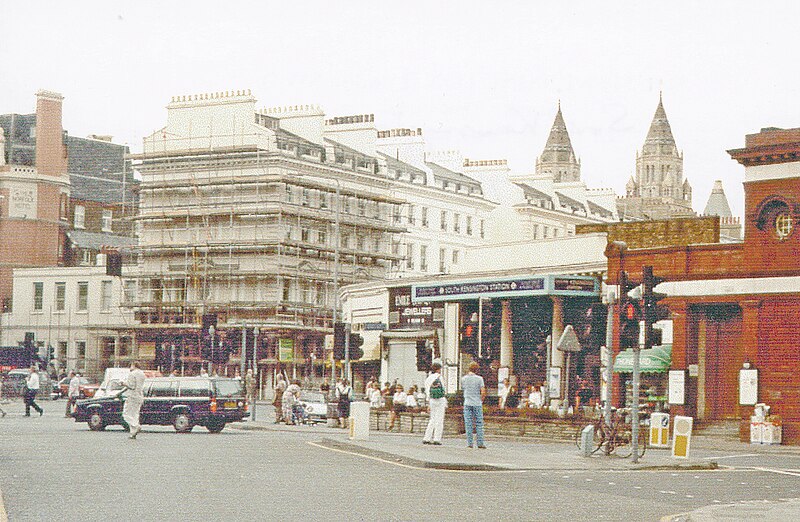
(134, 397)
(437, 404)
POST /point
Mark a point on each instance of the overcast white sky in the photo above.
(481, 77)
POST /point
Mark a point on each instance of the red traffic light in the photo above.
(630, 311)
(469, 330)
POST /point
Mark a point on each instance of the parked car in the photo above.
(114, 380)
(14, 384)
(184, 402)
(86, 388)
(315, 405)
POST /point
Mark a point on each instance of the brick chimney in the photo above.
(51, 150)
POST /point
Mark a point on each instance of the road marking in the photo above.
(732, 456)
(779, 471)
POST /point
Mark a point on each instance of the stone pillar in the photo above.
(506, 343)
(557, 356)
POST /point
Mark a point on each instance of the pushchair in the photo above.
(299, 415)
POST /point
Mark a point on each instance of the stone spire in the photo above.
(660, 132)
(558, 159)
(717, 202)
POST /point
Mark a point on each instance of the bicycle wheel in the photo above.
(599, 439)
(621, 442)
(642, 442)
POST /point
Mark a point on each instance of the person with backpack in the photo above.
(437, 404)
(344, 394)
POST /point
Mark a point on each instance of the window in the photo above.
(83, 296)
(61, 296)
(469, 225)
(455, 257)
(105, 296)
(410, 256)
(305, 233)
(306, 290)
(129, 291)
(322, 237)
(443, 220)
(362, 207)
(194, 388)
(423, 258)
(424, 217)
(482, 229)
(105, 223)
(62, 351)
(323, 200)
(411, 212)
(783, 225)
(38, 296)
(287, 290)
(80, 216)
(289, 194)
(320, 294)
(456, 223)
(80, 350)
(306, 198)
(442, 257)
(396, 214)
(163, 389)
(86, 257)
(346, 205)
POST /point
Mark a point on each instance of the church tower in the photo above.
(658, 190)
(558, 160)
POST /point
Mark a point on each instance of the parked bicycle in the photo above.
(617, 437)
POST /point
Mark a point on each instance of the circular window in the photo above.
(783, 225)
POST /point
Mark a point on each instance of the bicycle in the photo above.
(616, 437)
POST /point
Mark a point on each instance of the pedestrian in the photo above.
(375, 398)
(512, 398)
(290, 396)
(398, 405)
(277, 400)
(386, 394)
(474, 394)
(203, 372)
(73, 392)
(134, 397)
(2, 411)
(411, 399)
(174, 373)
(250, 387)
(31, 389)
(344, 394)
(437, 404)
(502, 392)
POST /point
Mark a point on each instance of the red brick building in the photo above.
(739, 304)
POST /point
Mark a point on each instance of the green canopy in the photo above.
(655, 360)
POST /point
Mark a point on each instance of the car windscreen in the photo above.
(194, 388)
(228, 388)
(309, 396)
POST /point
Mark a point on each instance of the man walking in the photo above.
(31, 389)
(250, 387)
(133, 399)
(73, 392)
(437, 404)
(277, 401)
(474, 394)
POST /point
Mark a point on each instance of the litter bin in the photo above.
(359, 420)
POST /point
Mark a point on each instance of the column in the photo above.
(506, 343)
(557, 356)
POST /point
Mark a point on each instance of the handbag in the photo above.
(437, 389)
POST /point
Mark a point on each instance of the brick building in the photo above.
(737, 305)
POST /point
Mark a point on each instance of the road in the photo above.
(53, 468)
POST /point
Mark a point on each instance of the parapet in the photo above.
(221, 95)
(485, 163)
(292, 110)
(399, 133)
(52, 95)
(357, 118)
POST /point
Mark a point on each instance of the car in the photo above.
(86, 388)
(14, 383)
(183, 402)
(114, 380)
(315, 405)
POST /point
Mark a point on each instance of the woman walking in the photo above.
(437, 404)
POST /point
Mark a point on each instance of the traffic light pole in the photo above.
(347, 352)
(610, 301)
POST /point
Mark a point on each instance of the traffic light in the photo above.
(338, 341)
(469, 339)
(629, 313)
(595, 324)
(354, 347)
(653, 312)
(424, 356)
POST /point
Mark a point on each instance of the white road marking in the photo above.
(732, 456)
(779, 471)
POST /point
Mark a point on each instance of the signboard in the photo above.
(748, 386)
(286, 350)
(569, 341)
(677, 387)
(583, 286)
(405, 314)
(374, 326)
(22, 201)
(554, 383)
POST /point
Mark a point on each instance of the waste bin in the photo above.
(359, 420)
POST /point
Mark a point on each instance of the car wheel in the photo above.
(182, 423)
(96, 422)
(215, 427)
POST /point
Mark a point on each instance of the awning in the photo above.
(655, 360)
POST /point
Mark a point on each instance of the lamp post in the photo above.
(244, 350)
(211, 332)
(256, 331)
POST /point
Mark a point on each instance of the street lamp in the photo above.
(211, 332)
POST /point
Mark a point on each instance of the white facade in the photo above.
(76, 311)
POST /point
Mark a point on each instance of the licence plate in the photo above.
(230, 404)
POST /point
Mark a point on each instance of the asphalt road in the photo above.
(53, 468)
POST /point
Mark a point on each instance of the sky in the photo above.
(484, 78)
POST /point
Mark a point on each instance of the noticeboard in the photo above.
(748, 387)
(677, 387)
(554, 383)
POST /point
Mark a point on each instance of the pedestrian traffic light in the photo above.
(653, 312)
(469, 339)
(424, 356)
(354, 348)
(629, 313)
(338, 341)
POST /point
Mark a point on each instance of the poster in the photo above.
(285, 350)
(748, 386)
(677, 381)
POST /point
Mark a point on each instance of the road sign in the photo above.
(569, 341)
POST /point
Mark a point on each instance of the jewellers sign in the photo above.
(516, 287)
(405, 313)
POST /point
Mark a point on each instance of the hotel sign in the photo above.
(512, 287)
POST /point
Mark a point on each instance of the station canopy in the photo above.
(654, 360)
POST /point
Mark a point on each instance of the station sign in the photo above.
(579, 286)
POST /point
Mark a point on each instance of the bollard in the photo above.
(659, 430)
(682, 436)
(359, 420)
(587, 440)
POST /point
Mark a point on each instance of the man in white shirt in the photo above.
(32, 388)
(73, 392)
(134, 397)
(437, 404)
